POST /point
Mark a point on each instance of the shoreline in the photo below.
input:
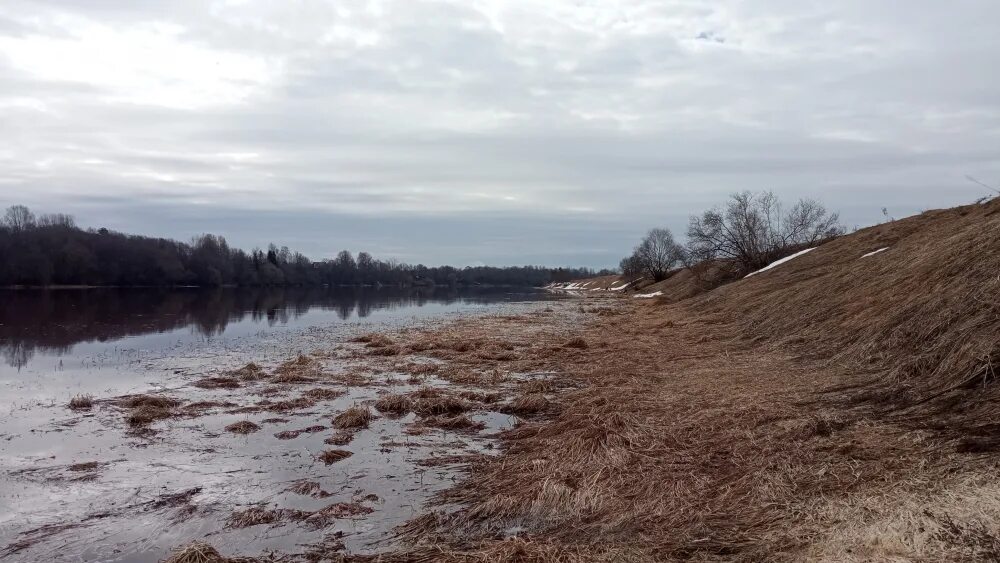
(649, 432)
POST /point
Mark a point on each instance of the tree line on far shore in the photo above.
(52, 250)
(746, 234)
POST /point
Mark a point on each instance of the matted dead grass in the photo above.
(333, 456)
(217, 383)
(528, 404)
(354, 418)
(197, 552)
(459, 422)
(447, 404)
(249, 372)
(135, 401)
(394, 404)
(242, 427)
(147, 414)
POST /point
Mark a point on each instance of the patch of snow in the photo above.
(875, 252)
(648, 295)
(780, 262)
(618, 288)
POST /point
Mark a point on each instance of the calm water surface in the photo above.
(51, 341)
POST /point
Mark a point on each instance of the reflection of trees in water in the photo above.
(53, 321)
(17, 354)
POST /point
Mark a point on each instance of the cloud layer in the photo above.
(493, 131)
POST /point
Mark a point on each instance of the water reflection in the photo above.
(52, 321)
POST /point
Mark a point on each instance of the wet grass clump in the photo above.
(242, 427)
(81, 402)
(253, 516)
(145, 415)
(577, 343)
(353, 418)
(85, 466)
(217, 383)
(323, 394)
(441, 405)
(158, 401)
(249, 372)
(333, 456)
(196, 552)
(394, 404)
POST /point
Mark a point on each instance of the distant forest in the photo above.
(52, 250)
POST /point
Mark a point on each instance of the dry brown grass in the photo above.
(529, 404)
(242, 427)
(301, 369)
(836, 408)
(394, 404)
(799, 415)
(81, 402)
(537, 386)
(333, 456)
(356, 417)
(578, 343)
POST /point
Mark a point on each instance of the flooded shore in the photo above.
(315, 438)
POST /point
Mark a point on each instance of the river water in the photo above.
(81, 486)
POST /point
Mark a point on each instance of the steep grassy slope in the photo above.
(922, 317)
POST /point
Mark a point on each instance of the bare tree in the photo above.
(655, 256)
(57, 220)
(19, 218)
(752, 230)
(631, 267)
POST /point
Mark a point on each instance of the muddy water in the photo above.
(84, 486)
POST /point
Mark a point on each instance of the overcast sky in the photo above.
(488, 131)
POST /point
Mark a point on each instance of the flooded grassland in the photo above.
(301, 443)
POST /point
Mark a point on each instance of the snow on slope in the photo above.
(780, 262)
(875, 252)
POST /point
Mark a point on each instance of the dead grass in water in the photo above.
(81, 402)
(217, 383)
(242, 427)
(249, 372)
(394, 404)
(354, 418)
(333, 456)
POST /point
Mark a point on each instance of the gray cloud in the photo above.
(488, 131)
